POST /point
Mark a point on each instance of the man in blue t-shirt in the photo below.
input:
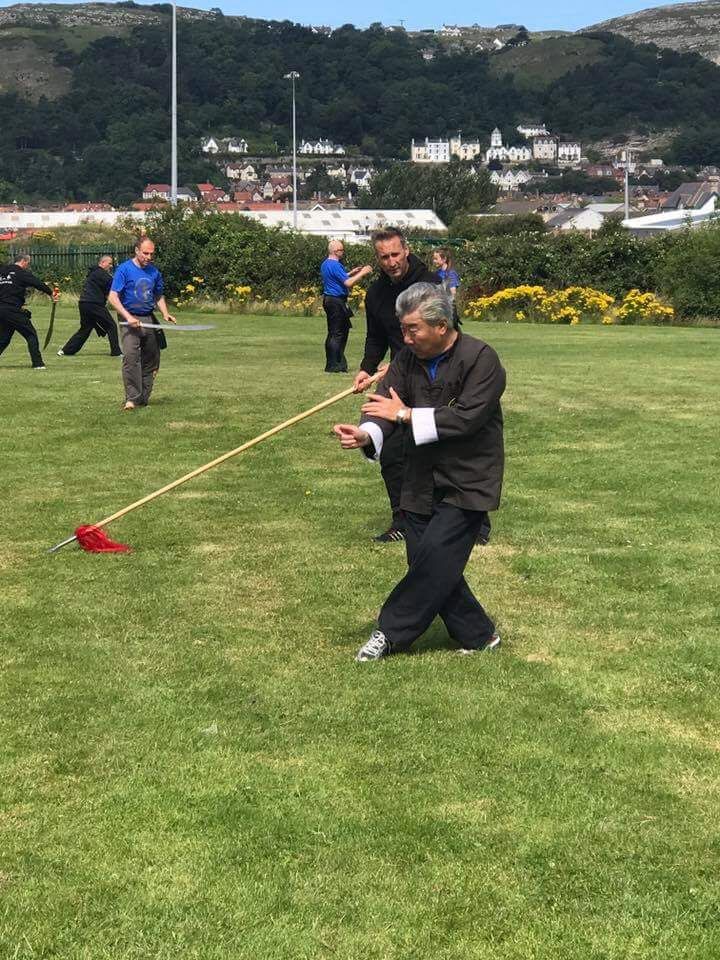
(336, 285)
(137, 289)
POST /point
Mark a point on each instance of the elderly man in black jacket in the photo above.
(399, 270)
(442, 394)
(94, 315)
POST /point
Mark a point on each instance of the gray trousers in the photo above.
(141, 358)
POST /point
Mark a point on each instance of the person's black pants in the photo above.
(391, 467)
(338, 325)
(93, 316)
(438, 549)
(15, 320)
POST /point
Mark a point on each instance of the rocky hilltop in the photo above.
(688, 27)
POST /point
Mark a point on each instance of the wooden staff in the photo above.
(218, 460)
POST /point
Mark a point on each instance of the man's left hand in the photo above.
(170, 319)
(385, 408)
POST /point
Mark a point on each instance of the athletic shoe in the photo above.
(492, 644)
(376, 648)
(391, 535)
(61, 353)
(40, 366)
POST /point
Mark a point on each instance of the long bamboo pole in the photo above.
(218, 460)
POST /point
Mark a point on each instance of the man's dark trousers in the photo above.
(16, 320)
(438, 549)
(338, 325)
(93, 315)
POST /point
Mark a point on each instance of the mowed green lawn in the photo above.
(192, 764)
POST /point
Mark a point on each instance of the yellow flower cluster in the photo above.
(638, 307)
(573, 305)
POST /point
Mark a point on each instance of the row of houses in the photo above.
(542, 146)
(359, 176)
(215, 146)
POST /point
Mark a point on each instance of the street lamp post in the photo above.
(293, 76)
(173, 112)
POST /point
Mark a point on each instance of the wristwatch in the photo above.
(402, 416)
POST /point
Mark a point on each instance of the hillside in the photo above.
(84, 92)
(687, 27)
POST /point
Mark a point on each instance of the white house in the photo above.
(449, 30)
(497, 151)
(569, 153)
(430, 151)
(531, 130)
(322, 147)
(217, 145)
(545, 147)
(361, 176)
(157, 191)
(510, 179)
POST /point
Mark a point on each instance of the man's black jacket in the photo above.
(383, 327)
(97, 286)
(463, 464)
(14, 281)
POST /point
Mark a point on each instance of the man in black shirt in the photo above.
(15, 279)
(442, 395)
(399, 270)
(94, 315)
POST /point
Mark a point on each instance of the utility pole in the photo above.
(173, 112)
(293, 76)
(628, 156)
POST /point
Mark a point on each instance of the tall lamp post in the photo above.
(173, 112)
(293, 76)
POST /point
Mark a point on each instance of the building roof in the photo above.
(691, 196)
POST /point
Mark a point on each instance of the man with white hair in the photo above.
(443, 392)
(337, 282)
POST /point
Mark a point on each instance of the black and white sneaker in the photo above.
(391, 535)
(376, 648)
(61, 353)
(492, 644)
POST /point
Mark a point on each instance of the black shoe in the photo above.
(391, 535)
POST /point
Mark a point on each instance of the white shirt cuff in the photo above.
(376, 435)
(423, 425)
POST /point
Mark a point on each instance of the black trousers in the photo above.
(93, 316)
(16, 320)
(438, 549)
(391, 467)
(338, 324)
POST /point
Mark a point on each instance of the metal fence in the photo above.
(67, 260)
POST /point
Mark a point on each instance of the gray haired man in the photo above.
(443, 392)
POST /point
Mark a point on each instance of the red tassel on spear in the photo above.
(93, 538)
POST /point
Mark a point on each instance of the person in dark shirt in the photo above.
(94, 315)
(442, 394)
(15, 280)
(399, 270)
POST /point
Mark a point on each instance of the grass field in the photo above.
(192, 764)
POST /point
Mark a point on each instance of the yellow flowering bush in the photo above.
(573, 305)
(638, 307)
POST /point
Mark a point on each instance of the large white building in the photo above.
(497, 151)
(323, 148)
(531, 130)
(569, 153)
(545, 148)
(430, 151)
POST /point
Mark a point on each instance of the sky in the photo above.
(552, 15)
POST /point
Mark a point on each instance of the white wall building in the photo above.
(569, 153)
(215, 145)
(507, 180)
(545, 148)
(532, 130)
(430, 151)
(321, 147)
(464, 149)
(497, 151)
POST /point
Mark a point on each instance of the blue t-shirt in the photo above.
(333, 275)
(449, 279)
(139, 288)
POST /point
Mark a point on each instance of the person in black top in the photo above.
(399, 270)
(442, 395)
(94, 315)
(15, 279)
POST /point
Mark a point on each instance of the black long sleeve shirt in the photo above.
(383, 326)
(14, 281)
(97, 286)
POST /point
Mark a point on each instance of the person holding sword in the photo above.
(137, 290)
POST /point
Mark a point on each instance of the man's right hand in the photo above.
(133, 321)
(350, 436)
(361, 382)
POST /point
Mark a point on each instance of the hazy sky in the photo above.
(553, 15)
